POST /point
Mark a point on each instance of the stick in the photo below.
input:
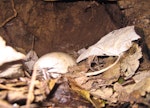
(30, 95)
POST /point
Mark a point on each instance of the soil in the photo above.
(137, 13)
(57, 26)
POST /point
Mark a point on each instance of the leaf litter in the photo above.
(116, 78)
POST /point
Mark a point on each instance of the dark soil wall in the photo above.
(57, 26)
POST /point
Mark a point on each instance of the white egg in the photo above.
(53, 64)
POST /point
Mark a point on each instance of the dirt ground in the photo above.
(46, 26)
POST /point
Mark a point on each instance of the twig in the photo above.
(33, 43)
(11, 17)
(12, 88)
(30, 95)
(103, 70)
(5, 104)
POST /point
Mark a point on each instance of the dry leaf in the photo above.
(8, 54)
(104, 93)
(4, 104)
(113, 44)
(130, 63)
(3, 94)
(132, 92)
(111, 75)
(79, 90)
(30, 60)
(52, 83)
(9, 57)
(11, 71)
(84, 93)
(14, 96)
(137, 90)
(81, 80)
(81, 51)
(143, 86)
(123, 95)
(141, 75)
